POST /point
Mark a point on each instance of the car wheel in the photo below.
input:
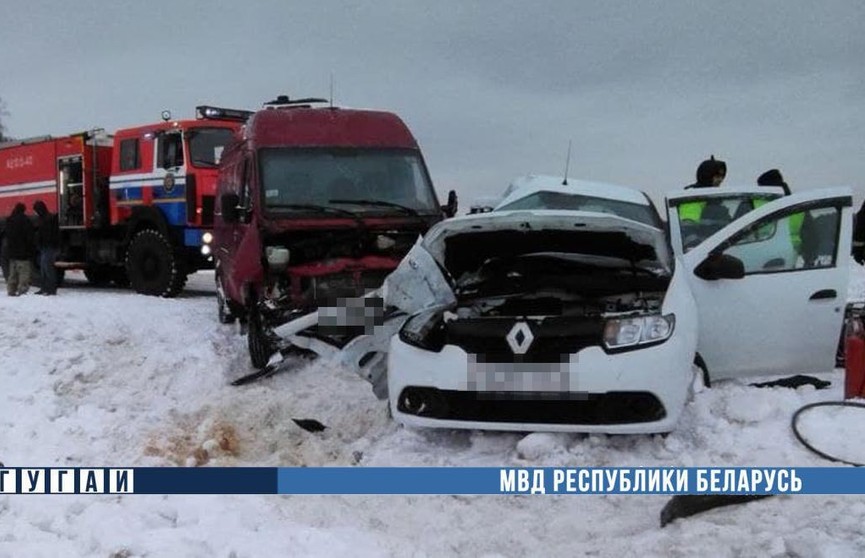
(153, 265)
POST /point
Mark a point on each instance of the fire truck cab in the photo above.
(135, 207)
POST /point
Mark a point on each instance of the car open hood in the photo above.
(458, 244)
(424, 278)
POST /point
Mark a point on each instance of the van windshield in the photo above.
(292, 178)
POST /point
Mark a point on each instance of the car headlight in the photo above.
(425, 330)
(622, 333)
(207, 238)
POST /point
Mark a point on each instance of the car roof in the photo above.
(525, 186)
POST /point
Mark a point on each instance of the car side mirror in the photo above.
(720, 266)
(230, 207)
(451, 208)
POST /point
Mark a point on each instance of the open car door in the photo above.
(770, 286)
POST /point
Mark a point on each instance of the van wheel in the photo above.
(261, 348)
(224, 312)
(153, 265)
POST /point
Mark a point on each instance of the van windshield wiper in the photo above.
(318, 209)
(410, 210)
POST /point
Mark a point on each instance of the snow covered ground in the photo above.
(107, 377)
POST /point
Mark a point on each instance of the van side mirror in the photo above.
(451, 208)
(230, 207)
(720, 266)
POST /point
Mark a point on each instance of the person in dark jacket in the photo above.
(48, 242)
(773, 177)
(859, 235)
(20, 248)
(710, 174)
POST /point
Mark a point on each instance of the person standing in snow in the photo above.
(48, 242)
(20, 249)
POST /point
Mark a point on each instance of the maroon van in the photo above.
(315, 204)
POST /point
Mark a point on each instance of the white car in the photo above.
(575, 308)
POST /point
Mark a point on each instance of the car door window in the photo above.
(701, 217)
(805, 239)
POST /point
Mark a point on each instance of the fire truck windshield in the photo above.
(206, 145)
(381, 180)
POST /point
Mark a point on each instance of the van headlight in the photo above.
(277, 256)
(632, 332)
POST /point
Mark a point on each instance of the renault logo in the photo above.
(520, 338)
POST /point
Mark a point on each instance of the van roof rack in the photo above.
(283, 101)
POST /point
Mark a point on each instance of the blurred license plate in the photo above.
(517, 377)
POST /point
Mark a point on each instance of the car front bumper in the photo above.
(634, 392)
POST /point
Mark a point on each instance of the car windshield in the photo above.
(700, 218)
(378, 180)
(576, 202)
(206, 145)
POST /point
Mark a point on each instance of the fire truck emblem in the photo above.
(168, 183)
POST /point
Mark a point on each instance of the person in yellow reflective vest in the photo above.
(710, 174)
(773, 177)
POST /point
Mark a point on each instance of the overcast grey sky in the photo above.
(491, 90)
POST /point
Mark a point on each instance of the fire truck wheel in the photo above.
(153, 265)
(260, 347)
(98, 275)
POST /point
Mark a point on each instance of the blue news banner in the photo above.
(434, 480)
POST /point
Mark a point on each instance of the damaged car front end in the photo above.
(557, 321)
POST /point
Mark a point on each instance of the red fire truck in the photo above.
(135, 207)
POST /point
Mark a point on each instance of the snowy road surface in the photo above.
(101, 377)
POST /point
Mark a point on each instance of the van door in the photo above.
(783, 311)
(239, 247)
